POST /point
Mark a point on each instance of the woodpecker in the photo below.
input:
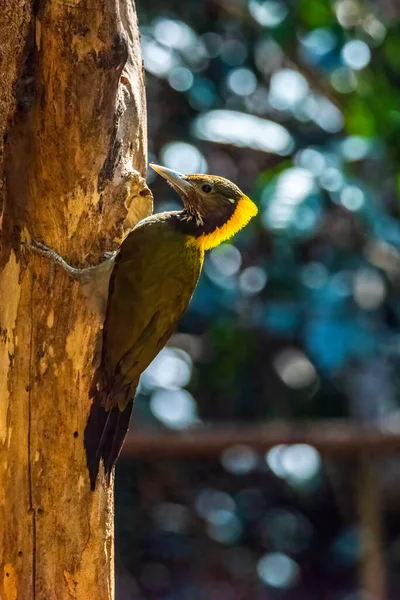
(154, 274)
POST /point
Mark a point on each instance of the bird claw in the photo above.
(41, 249)
(108, 254)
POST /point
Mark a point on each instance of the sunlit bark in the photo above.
(73, 116)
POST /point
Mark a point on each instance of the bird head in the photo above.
(214, 207)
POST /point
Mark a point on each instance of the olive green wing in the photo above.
(154, 277)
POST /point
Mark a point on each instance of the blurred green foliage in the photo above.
(297, 102)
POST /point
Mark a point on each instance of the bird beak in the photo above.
(176, 179)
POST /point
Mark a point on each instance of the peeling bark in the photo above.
(73, 130)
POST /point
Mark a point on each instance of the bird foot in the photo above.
(93, 281)
(55, 258)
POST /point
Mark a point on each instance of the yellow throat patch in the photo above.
(245, 210)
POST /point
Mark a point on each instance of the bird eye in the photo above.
(206, 188)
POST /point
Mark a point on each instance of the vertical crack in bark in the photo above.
(32, 509)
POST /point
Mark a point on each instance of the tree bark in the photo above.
(72, 162)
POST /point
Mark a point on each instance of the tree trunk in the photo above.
(72, 162)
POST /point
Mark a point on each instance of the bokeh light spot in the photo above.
(171, 369)
(314, 275)
(242, 82)
(298, 463)
(352, 197)
(224, 527)
(356, 54)
(278, 570)
(301, 462)
(226, 259)
(355, 147)
(252, 280)
(328, 116)
(312, 160)
(332, 179)
(239, 459)
(234, 53)
(348, 13)
(181, 79)
(176, 409)
(343, 80)
(210, 500)
(369, 289)
(318, 42)
(173, 33)
(171, 517)
(287, 87)
(274, 459)
(240, 129)
(183, 157)
(213, 43)
(268, 13)
(157, 59)
(294, 185)
(294, 368)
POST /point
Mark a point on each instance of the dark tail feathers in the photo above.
(104, 435)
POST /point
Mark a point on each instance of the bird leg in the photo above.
(93, 281)
(55, 259)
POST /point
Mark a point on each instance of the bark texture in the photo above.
(72, 162)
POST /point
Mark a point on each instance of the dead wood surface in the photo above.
(72, 110)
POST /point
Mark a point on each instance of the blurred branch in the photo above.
(372, 562)
(333, 437)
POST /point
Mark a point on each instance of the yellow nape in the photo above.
(245, 210)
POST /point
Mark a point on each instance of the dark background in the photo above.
(297, 319)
